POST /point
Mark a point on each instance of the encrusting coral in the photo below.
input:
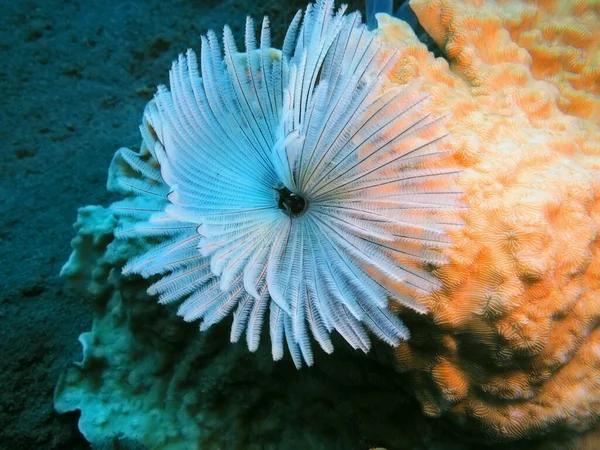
(511, 345)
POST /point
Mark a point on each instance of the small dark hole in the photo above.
(291, 203)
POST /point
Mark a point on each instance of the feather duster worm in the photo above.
(291, 181)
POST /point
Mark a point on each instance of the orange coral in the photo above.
(556, 41)
(512, 342)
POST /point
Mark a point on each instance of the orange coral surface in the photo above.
(512, 344)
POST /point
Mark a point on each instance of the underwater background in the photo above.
(75, 78)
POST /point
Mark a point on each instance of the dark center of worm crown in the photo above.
(291, 203)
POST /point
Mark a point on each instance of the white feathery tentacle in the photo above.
(295, 181)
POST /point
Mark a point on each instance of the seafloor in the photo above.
(74, 79)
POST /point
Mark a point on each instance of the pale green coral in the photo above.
(149, 377)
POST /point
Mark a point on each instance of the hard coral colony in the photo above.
(299, 181)
(510, 343)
